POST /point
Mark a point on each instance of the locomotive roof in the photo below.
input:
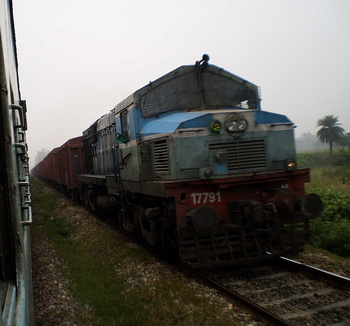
(192, 87)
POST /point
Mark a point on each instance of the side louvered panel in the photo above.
(161, 157)
(243, 154)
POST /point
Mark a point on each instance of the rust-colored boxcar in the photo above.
(69, 162)
(62, 165)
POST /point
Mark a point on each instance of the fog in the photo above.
(78, 59)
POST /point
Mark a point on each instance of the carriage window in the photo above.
(124, 122)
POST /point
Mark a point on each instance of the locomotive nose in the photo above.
(204, 218)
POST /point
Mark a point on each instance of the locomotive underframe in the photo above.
(255, 215)
(211, 222)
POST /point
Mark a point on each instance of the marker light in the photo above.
(215, 127)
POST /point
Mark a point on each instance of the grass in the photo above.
(329, 177)
(116, 279)
(329, 173)
(321, 159)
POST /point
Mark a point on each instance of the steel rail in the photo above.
(232, 295)
(325, 276)
(265, 315)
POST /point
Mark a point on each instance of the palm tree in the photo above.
(330, 131)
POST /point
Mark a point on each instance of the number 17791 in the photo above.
(205, 197)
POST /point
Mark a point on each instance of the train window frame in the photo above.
(124, 122)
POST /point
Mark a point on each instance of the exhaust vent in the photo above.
(161, 157)
(243, 154)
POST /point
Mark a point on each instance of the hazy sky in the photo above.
(78, 59)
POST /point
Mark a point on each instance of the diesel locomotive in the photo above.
(16, 296)
(190, 161)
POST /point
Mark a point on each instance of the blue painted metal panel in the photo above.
(220, 168)
(262, 117)
(172, 122)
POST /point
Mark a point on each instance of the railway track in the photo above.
(284, 292)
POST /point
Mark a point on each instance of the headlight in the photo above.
(235, 125)
(231, 126)
(291, 165)
(242, 125)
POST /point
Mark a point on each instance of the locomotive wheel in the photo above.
(149, 232)
(76, 196)
(92, 200)
(149, 226)
(127, 221)
(86, 197)
(137, 219)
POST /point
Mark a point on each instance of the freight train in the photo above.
(191, 162)
(16, 295)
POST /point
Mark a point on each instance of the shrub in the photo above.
(332, 236)
(345, 178)
(313, 159)
(336, 204)
(342, 158)
(331, 230)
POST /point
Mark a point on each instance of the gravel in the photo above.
(322, 261)
(54, 305)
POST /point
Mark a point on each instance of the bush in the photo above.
(313, 159)
(345, 178)
(331, 230)
(336, 204)
(332, 236)
(342, 158)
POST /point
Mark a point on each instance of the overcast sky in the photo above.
(78, 59)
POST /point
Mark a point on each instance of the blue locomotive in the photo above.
(191, 162)
(16, 297)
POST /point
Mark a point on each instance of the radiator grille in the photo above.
(243, 154)
(161, 157)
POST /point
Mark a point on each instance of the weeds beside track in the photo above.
(112, 280)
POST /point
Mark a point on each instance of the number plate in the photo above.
(200, 198)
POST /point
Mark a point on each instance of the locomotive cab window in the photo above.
(124, 122)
